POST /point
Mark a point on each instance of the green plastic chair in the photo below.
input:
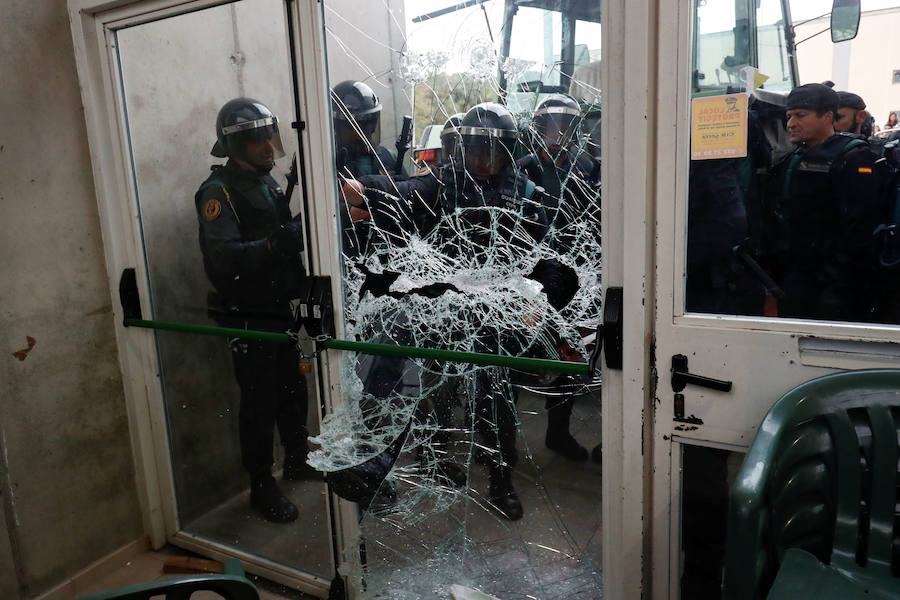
(232, 585)
(814, 510)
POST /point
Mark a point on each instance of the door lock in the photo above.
(609, 332)
(681, 377)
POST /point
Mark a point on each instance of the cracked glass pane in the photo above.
(477, 233)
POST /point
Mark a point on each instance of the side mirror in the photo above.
(844, 20)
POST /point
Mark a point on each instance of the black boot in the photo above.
(296, 467)
(502, 495)
(445, 468)
(268, 501)
(558, 437)
(452, 472)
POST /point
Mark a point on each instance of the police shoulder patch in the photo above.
(211, 209)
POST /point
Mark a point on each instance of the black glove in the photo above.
(287, 239)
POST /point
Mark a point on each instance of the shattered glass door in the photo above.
(483, 240)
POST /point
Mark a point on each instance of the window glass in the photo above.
(791, 209)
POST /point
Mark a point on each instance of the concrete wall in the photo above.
(364, 40)
(863, 65)
(66, 473)
(66, 468)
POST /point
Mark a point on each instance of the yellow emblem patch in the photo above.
(867, 170)
(212, 209)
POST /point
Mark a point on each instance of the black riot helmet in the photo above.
(356, 111)
(450, 136)
(555, 123)
(244, 120)
(487, 138)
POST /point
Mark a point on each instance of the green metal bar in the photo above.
(474, 358)
(244, 334)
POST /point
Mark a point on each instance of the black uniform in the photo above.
(830, 207)
(571, 199)
(356, 237)
(237, 210)
(570, 195)
(437, 193)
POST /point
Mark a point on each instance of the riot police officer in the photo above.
(830, 206)
(356, 111)
(568, 191)
(251, 254)
(569, 197)
(450, 136)
(458, 205)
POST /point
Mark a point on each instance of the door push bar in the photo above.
(319, 306)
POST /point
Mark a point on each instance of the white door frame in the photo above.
(309, 31)
(93, 25)
(628, 78)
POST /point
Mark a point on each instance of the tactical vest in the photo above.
(368, 164)
(512, 191)
(810, 209)
(258, 208)
(358, 237)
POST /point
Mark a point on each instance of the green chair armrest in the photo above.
(232, 585)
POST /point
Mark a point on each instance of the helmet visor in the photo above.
(556, 129)
(242, 136)
(483, 152)
(450, 139)
(358, 135)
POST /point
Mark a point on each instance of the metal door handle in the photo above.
(681, 377)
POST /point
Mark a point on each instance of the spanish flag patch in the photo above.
(865, 170)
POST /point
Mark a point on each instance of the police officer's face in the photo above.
(481, 162)
(357, 137)
(260, 153)
(848, 119)
(804, 126)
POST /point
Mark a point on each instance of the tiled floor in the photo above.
(553, 552)
(417, 546)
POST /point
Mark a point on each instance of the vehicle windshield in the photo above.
(534, 67)
(730, 35)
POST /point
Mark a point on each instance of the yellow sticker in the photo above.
(865, 170)
(212, 209)
(719, 127)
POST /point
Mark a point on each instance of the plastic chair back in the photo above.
(821, 475)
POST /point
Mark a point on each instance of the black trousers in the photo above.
(496, 419)
(273, 392)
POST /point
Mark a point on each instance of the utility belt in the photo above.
(276, 318)
(311, 309)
